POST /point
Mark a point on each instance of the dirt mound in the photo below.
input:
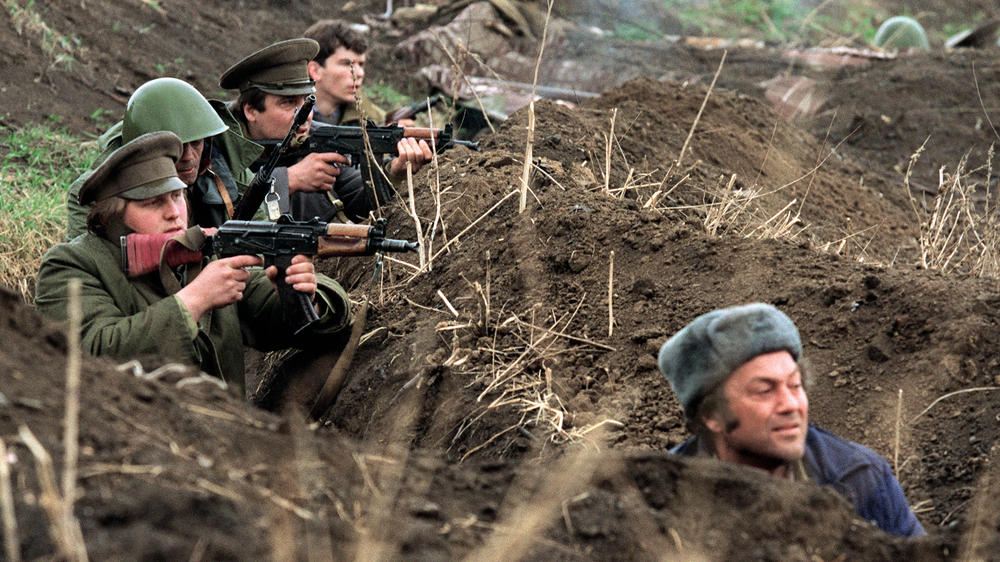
(530, 341)
(174, 466)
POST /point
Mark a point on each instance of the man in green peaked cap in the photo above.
(142, 169)
(738, 374)
(214, 161)
(273, 82)
(203, 314)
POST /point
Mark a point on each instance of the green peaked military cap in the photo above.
(140, 169)
(280, 68)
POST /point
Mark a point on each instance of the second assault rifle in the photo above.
(277, 242)
(411, 111)
(350, 142)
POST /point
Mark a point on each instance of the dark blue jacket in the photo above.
(855, 472)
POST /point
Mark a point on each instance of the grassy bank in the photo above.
(36, 168)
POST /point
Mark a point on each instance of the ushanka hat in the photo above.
(140, 169)
(706, 351)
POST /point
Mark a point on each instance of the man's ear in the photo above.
(315, 69)
(714, 423)
(250, 113)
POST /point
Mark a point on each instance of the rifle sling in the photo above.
(224, 193)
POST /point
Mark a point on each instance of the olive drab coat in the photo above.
(230, 159)
(126, 318)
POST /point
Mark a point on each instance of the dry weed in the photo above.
(736, 211)
(958, 231)
(59, 48)
(518, 375)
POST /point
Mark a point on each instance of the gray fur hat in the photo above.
(706, 351)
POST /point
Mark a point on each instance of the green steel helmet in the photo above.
(901, 32)
(169, 104)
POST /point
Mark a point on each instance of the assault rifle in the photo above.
(277, 242)
(350, 142)
(411, 111)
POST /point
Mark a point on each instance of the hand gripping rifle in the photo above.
(277, 242)
(262, 181)
(350, 142)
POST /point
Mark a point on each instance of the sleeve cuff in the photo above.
(189, 323)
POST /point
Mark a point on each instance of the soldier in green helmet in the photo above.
(215, 158)
(901, 32)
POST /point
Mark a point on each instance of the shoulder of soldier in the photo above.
(352, 116)
(835, 457)
(87, 250)
(239, 151)
(373, 111)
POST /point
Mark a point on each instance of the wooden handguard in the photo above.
(141, 253)
(344, 240)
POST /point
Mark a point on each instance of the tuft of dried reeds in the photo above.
(697, 117)
(71, 423)
(12, 546)
(961, 229)
(64, 530)
(737, 212)
(529, 145)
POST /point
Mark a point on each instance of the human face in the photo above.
(273, 122)
(190, 162)
(164, 213)
(339, 78)
(766, 419)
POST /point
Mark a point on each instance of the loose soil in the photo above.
(507, 402)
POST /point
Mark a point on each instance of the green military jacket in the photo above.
(229, 165)
(127, 318)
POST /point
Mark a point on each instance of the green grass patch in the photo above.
(37, 166)
(386, 97)
(824, 23)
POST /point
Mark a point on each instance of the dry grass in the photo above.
(737, 211)
(64, 530)
(518, 376)
(959, 230)
(525, 522)
(59, 48)
(11, 542)
(529, 144)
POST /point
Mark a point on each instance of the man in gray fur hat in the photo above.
(737, 372)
